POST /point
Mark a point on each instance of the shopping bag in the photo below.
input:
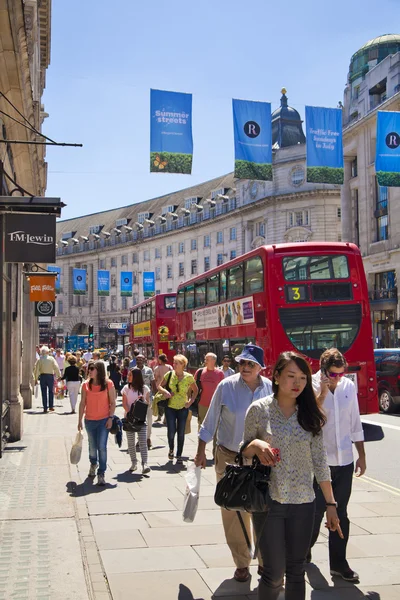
(188, 428)
(76, 450)
(37, 391)
(192, 493)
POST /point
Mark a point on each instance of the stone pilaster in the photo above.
(347, 214)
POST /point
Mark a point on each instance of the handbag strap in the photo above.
(252, 553)
(168, 381)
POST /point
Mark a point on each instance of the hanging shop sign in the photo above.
(45, 309)
(42, 288)
(30, 238)
(387, 160)
(324, 145)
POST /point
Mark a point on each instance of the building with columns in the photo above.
(370, 213)
(24, 58)
(190, 231)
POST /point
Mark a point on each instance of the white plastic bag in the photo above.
(37, 390)
(192, 493)
(76, 450)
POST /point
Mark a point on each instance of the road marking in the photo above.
(397, 427)
(383, 486)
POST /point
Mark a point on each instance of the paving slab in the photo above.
(130, 506)
(386, 509)
(220, 580)
(102, 523)
(150, 559)
(125, 538)
(184, 536)
(174, 519)
(364, 497)
(373, 571)
(205, 503)
(377, 525)
(360, 510)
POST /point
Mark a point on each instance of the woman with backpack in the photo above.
(131, 392)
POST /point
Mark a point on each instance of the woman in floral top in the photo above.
(183, 391)
(284, 432)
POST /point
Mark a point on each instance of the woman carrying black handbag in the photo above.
(284, 431)
(133, 391)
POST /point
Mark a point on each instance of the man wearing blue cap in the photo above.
(225, 419)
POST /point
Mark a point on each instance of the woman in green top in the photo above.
(183, 391)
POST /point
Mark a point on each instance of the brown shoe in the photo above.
(242, 575)
(149, 445)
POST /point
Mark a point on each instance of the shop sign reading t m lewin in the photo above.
(30, 238)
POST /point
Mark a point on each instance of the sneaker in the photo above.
(171, 455)
(145, 469)
(92, 471)
(347, 574)
(101, 480)
(133, 467)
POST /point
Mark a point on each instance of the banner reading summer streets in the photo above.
(171, 142)
(79, 282)
(324, 145)
(387, 161)
(253, 139)
(103, 283)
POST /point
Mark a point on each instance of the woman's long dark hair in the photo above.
(101, 375)
(137, 382)
(309, 415)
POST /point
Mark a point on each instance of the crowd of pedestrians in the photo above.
(301, 425)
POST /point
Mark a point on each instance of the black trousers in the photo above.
(342, 480)
(284, 541)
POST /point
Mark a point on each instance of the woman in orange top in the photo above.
(98, 405)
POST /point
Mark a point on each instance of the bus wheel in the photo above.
(386, 403)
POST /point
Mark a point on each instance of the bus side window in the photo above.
(143, 314)
(200, 294)
(235, 282)
(153, 310)
(135, 313)
(254, 276)
(189, 297)
(222, 286)
(180, 300)
(213, 289)
(148, 311)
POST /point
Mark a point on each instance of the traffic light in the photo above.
(91, 338)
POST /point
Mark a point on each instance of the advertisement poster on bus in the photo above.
(236, 312)
(387, 161)
(142, 329)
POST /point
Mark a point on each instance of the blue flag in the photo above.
(57, 270)
(79, 282)
(387, 161)
(126, 283)
(253, 139)
(103, 283)
(324, 145)
(149, 284)
(171, 142)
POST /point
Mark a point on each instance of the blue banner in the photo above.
(324, 145)
(103, 283)
(387, 161)
(79, 282)
(253, 139)
(171, 142)
(149, 284)
(126, 283)
(57, 270)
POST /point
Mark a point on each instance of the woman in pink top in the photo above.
(98, 405)
(133, 390)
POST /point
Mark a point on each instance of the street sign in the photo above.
(121, 331)
(45, 309)
(117, 325)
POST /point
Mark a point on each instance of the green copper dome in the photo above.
(374, 50)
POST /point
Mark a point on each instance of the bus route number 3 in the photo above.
(296, 293)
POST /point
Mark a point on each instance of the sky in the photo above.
(106, 56)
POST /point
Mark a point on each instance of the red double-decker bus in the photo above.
(305, 297)
(152, 327)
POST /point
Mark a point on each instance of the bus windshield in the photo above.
(299, 268)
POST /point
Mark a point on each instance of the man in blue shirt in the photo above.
(132, 364)
(225, 419)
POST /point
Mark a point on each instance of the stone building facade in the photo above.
(191, 231)
(370, 213)
(24, 57)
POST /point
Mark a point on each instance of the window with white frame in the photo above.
(113, 261)
(169, 250)
(102, 263)
(193, 244)
(219, 192)
(94, 229)
(232, 234)
(103, 304)
(60, 307)
(220, 259)
(121, 222)
(193, 267)
(207, 241)
(181, 269)
(124, 259)
(260, 229)
(158, 273)
(299, 218)
(193, 217)
(113, 303)
(135, 257)
(233, 254)
(232, 203)
(158, 292)
(190, 201)
(206, 263)
(142, 217)
(169, 271)
(206, 211)
(181, 247)
(167, 209)
(146, 255)
(157, 253)
(113, 280)
(220, 237)
(124, 303)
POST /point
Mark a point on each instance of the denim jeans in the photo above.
(97, 436)
(176, 422)
(284, 543)
(47, 386)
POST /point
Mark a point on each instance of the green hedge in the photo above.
(249, 170)
(103, 293)
(389, 179)
(175, 162)
(325, 175)
(79, 293)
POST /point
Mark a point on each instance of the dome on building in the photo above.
(287, 129)
(372, 53)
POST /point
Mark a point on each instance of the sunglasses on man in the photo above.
(247, 363)
(334, 375)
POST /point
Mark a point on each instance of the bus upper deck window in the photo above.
(148, 311)
(200, 294)
(254, 275)
(135, 316)
(170, 302)
(318, 267)
(235, 282)
(213, 289)
(222, 286)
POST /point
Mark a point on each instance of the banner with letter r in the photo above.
(387, 160)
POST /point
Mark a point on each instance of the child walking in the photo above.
(133, 390)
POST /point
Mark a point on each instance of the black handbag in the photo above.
(244, 487)
(164, 403)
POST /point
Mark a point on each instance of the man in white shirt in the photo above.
(338, 397)
(87, 356)
(60, 359)
(225, 419)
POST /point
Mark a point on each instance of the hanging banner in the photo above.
(149, 284)
(42, 288)
(79, 282)
(30, 238)
(57, 270)
(171, 142)
(387, 160)
(324, 145)
(126, 283)
(253, 139)
(103, 283)
(45, 309)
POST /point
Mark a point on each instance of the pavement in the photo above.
(64, 538)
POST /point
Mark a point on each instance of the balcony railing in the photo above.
(383, 294)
